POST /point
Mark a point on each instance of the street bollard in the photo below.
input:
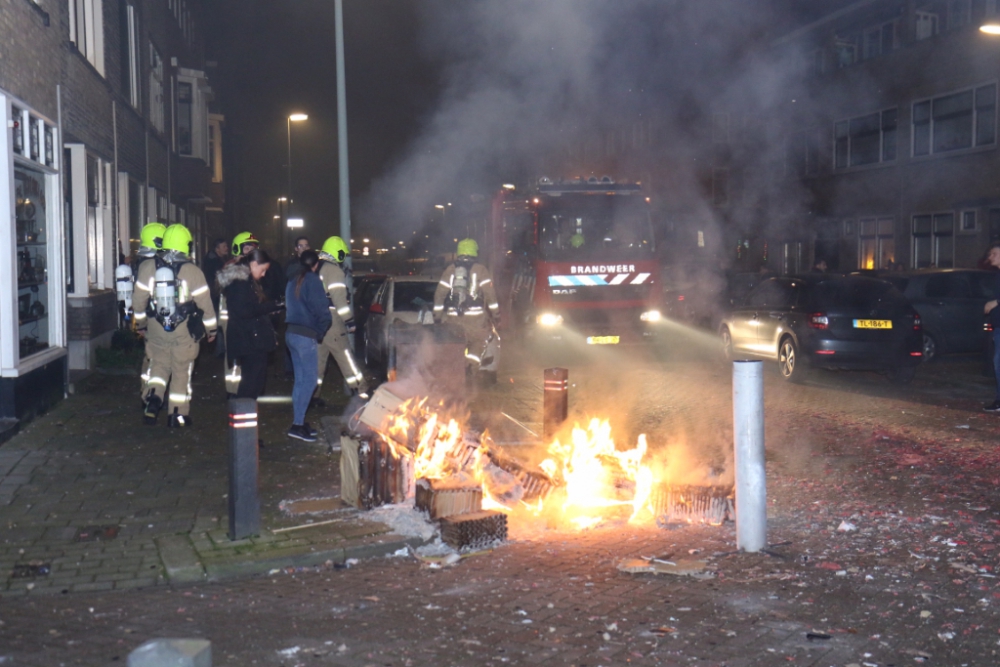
(244, 501)
(172, 653)
(556, 400)
(748, 437)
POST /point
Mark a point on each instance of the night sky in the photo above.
(451, 97)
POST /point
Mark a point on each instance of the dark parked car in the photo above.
(950, 303)
(826, 321)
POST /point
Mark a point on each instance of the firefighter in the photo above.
(243, 243)
(173, 293)
(463, 297)
(336, 342)
(150, 247)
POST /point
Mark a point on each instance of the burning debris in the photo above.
(416, 455)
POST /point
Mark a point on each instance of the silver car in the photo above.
(400, 299)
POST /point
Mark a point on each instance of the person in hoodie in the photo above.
(306, 321)
(250, 335)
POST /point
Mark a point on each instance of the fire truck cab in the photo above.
(576, 256)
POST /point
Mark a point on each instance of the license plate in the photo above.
(872, 324)
(602, 340)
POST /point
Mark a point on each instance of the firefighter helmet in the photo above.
(177, 238)
(151, 235)
(468, 248)
(336, 248)
(242, 239)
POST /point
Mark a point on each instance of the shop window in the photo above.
(86, 30)
(33, 299)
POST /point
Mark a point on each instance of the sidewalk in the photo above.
(92, 500)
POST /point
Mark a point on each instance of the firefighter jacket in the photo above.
(191, 282)
(335, 283)
(466, 288)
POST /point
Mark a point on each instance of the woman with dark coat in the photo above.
(250, 335)
(307, 319)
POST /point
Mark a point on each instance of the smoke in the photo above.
(589, 87)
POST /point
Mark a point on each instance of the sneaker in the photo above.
(313, 432)
(301, 433)
(178, 421)
(992, 407)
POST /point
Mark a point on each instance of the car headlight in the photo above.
(549, 319)
(651, 316)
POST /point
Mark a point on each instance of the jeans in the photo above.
(304, 356)
(996, 359)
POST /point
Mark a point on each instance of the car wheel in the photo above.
(727, 344)
(790, 365)
(902, 374)
(930, 348)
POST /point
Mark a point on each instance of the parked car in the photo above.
(826, 321)
(365, 287)
(950, 303)
(408, 299)
(700, 298)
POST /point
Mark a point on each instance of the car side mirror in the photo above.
(377, 309)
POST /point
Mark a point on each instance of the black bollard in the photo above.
(556, 402)
(244, 501)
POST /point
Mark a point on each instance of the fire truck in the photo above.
(576, 256)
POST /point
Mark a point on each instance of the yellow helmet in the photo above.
(177, 238)
(468, 248)
(151, 235)
(336, 248)
(242, 239)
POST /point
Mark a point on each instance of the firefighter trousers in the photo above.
(337, 344)
(171, 364)
(477, 331)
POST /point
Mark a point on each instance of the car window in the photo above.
(983, 284)
(413, 297)
(367, 292)
(771, 294)
(948, 286)
(380, 295)
(854, 293)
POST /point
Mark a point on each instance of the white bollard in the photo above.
(748, 440)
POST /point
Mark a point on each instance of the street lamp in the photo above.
(992, 28)
(292, 118)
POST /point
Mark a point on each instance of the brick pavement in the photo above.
(757, 610)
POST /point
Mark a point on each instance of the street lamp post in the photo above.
(292, 118)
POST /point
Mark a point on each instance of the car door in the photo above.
(375, 328)
(964, 313)
(744, 320)
(776, 302)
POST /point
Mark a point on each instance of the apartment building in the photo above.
(893, 140)
(109, 125)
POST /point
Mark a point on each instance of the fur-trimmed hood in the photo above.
(230, 273)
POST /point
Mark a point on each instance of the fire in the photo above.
(588, 477)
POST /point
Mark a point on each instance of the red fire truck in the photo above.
(576, 256)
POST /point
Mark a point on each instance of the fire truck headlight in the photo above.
(549, 319)
(651, 316)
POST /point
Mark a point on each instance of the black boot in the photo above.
(152, 409)
(178, 421)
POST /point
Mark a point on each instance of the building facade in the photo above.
(895, 144)
(106, 105)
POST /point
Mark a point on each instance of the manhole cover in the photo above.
(96, 533)
(31, 570)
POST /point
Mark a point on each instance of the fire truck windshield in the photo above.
(594, 227)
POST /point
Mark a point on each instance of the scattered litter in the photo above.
(965, 426)
(402, 552)
(811, 636)
(404, 520)
(290, 652)
(846, 527)
(678, 567)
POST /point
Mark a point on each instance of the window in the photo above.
(129, 40)
(185, 98)
(86, 30)
(156, 111)
(876, 243)
(926, 24)
(934, 240)
(956, 121)
(865, 140)
(191, 116)
(879, 40)
(969, 221)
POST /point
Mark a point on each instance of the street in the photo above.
(882, 525)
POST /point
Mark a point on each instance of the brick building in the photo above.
(107, 110)
(895, 144)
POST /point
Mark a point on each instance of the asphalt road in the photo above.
(883, 521)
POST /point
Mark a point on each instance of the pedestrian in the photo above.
(243, 243)
(214, 260)
(181, 315)
(307, 320)
(335, 342)
(250, 335)
(993, 313)
(294, 268)
(820, 266)
(463, 297)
